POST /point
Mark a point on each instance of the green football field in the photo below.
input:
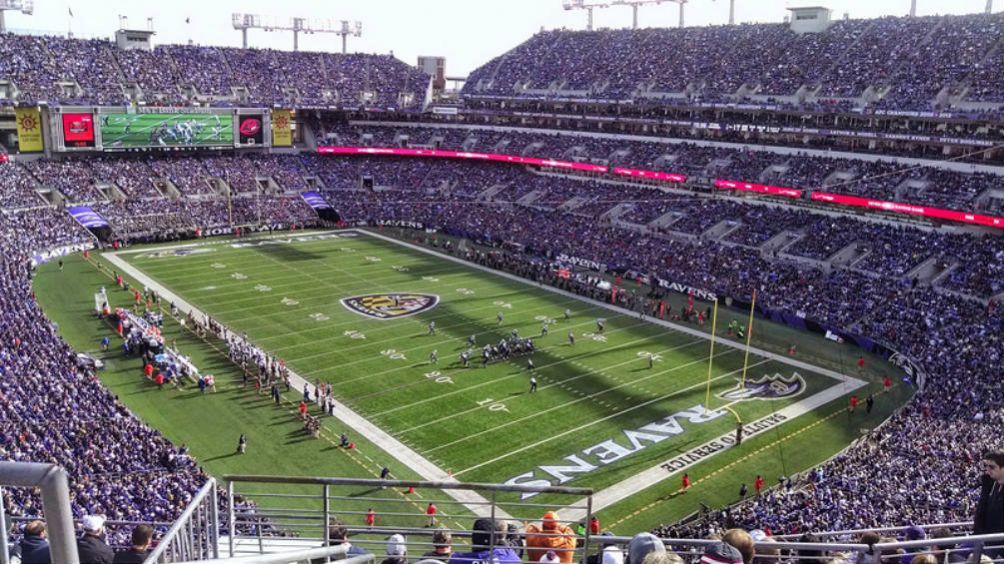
(601, 417)
(153, 130)
(481, 423)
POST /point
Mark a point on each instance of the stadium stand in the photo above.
(854, 62)
(882, 179)
(932, 294)
(73, 71)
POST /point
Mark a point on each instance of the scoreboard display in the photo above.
(163, 130)
(94, 128)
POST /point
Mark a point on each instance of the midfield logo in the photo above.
(390, 306)
(768, 388)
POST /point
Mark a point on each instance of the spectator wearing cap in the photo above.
(142, 535)
(612, 555)
(442, 546)
(34, 547)
(642, 545)
(742, 541)
(912, 533)
(721, 553)
(92, 548)
(550, 534)
(487, 544)
(397, 550)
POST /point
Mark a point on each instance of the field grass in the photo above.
(480, 423)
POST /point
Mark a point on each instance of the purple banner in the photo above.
(87, 217)
(315, 200)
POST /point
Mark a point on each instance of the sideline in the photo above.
(473, 501)
(602, 499)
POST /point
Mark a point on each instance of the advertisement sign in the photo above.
(387, 151)
(29, 129)
(78, 130)
(759, 188)
(913, 209)
(282, 128)
(251, 129)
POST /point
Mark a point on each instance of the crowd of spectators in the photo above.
(75, 71)
(957, 341)
(54, 404)
(882, 179)
(906, 60)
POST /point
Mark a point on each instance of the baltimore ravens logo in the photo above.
(767, 388)
(390, 306)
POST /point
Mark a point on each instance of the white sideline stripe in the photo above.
(473, 501)
(655, 474)
(611, 494)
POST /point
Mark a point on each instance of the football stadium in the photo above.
(714, 282)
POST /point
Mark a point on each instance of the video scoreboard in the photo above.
(147, 129)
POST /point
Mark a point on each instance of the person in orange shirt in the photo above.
(550, 534)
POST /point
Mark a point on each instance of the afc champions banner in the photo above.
(282, 128)
(29, 129)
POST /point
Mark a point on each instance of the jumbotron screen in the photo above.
(128, 131)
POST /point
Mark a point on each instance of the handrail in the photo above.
(968, 524)
(207, 489)
(300, 555)
(52, 480)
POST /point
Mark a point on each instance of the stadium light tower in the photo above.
(913, 8)
(244, 22)
(26, 7)
(589, 6)
(990, 6)
(355, 31)
(732, 12)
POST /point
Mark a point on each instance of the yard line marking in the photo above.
(582, 395)
(591, 353)
(607, 418)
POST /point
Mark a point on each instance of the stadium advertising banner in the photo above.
(166, 128)
(913, 209)
(78, 130)
(251, 128)
(392, 152)
(282, 128)
(759, 188)
(29, 129)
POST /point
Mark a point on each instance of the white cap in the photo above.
(93, 523)
(613, 555)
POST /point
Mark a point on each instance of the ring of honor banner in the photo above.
(29, 129)
(282, 128)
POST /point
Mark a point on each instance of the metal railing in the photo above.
(196, 533)
(311, 508)
(55, 502)
(309, 555)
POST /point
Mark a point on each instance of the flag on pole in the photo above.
(70, 10)
(188, 20)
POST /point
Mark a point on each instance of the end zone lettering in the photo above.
(610, 450)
